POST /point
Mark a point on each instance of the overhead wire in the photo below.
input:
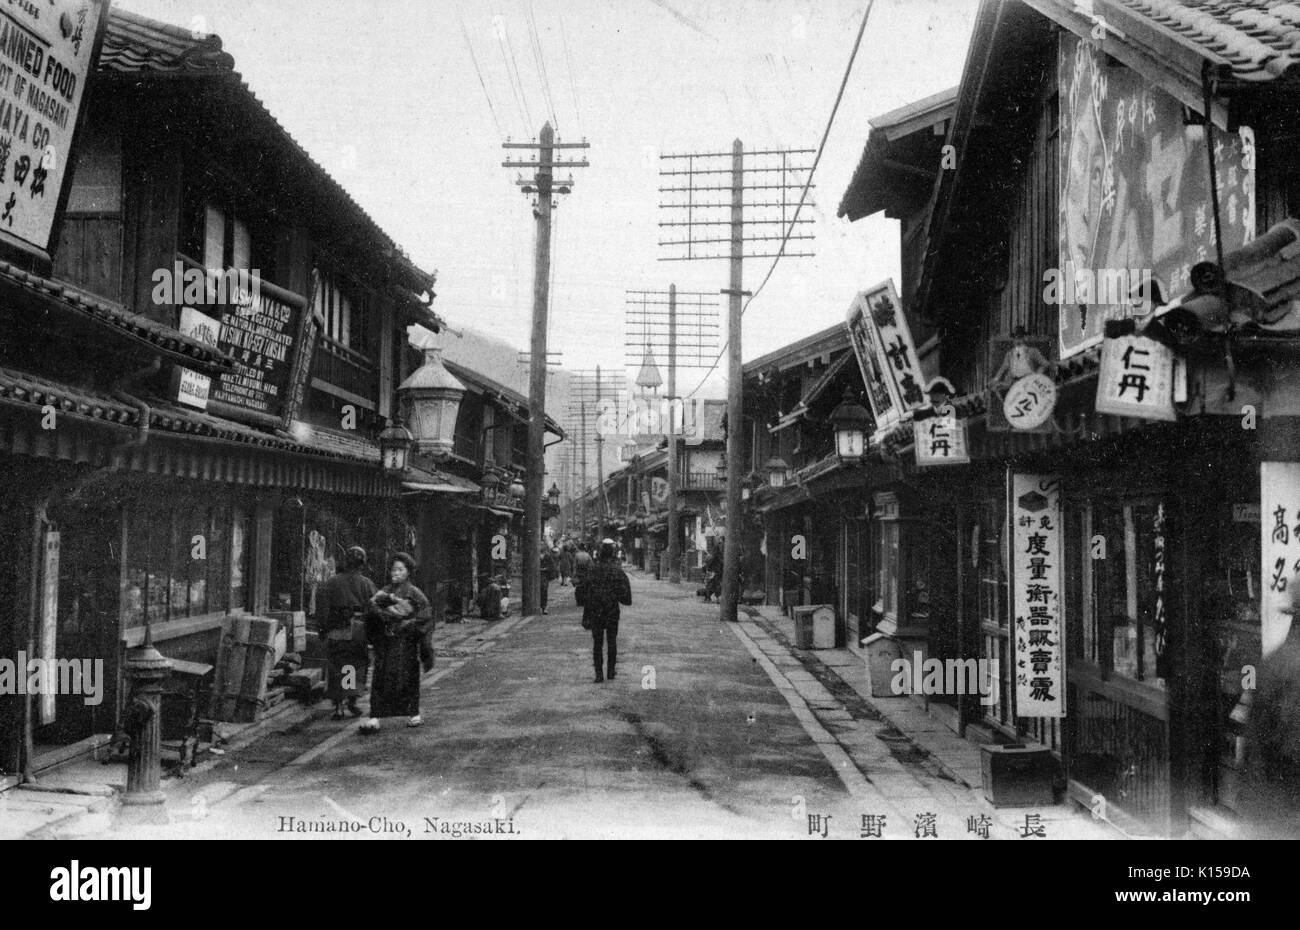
(538, 56)
(839, 96)
(512, 68)
(469, 47)
(568, 64)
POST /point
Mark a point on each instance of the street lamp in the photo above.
(431, 396)
(553, 496)
(517, 489)
(776, 470)
(394, 444)
(850, 422)
(491, 486)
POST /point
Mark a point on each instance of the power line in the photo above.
(540, 58)
(513, 62)
(474, 59)
(568, 64)
(857, 43)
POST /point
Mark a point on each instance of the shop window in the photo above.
(1124, 610)
(164, 579)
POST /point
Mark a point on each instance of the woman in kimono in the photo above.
(341, 603)
(399, 626)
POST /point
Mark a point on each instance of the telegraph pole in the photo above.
(544, 185)
(702, 214)
(645, 333)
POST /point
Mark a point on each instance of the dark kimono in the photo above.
(402, 645)
(339, 599)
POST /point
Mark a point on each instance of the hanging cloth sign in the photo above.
(1137, 379)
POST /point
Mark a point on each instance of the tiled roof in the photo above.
(135, 45)
(23, 389)
(508, 396)
(1259, 39)
(13, 280)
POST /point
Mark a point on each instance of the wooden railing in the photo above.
(336, 364)
(703, 481)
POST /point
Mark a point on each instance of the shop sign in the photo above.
(49, 617)
(1030, 402)
(270, 341)
(1037, 551)
(46, 58)
(1012, 359)
(192, 388)
(882, 343)
(1137, 379)
(659, 490)
(1279, 484)
(940, 440)
(1135, 189)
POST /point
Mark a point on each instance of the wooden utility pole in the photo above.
(674, 546)
(735, 394)
(700, 243)
(544, 185)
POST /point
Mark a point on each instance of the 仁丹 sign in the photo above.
(1136, 379)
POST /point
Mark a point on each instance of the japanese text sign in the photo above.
(1280, 549)
(882, 342)
(45, 59)
(940, 440)
(1136, 379)
(1037, 550)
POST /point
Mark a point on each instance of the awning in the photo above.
(422, 480)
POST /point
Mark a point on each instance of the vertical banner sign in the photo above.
(49, 622)
(1135, 191)
(940, 440)
(1279, 484)
(1037, 550)
(46, 47)
(882, 342)
(1137, 379)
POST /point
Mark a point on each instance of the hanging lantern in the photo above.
(491, 485)
(776, 471)
(431, 396)
(553, 495)
(850, 421)
(394, 444)
(517, 489)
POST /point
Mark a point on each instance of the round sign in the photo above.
(1030, 401)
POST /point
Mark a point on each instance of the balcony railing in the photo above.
(703, 481)
(337, 365)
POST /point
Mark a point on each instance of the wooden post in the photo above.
(731, 551)
(535, 486)
(674, 546)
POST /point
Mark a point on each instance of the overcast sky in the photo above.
(386, 95)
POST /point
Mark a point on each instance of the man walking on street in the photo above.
(549, 569)
(600, 593)
(581, 564)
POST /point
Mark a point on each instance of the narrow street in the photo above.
(695, 738)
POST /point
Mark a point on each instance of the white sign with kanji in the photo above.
(1036, 554)
(1279, 523)
(940, 440)
(1137, 379)
(882, 341)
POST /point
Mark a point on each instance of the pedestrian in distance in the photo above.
(713, 587)
(341, 605)
(400, 627)
(582, 563)
(489, 598)
(600, 593)
(550, 570)
(566, 562)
